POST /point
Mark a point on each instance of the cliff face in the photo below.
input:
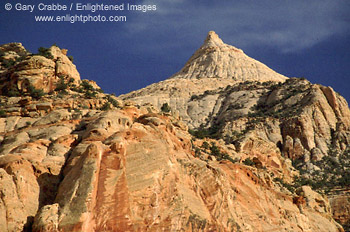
(80, 160)
(308, 123)
(131, 170)
(341, 208)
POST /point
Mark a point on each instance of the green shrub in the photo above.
(78, 90)
(13, 92)
(197, 152)
(200, 133)
(62, 94)
(214, 150)
(290, 187)
(301, 181)
(248, 162)
(90, 94)
(165, 108)
(113, 101)
(106, 106)
(8, 63)
(3, 114)
(35, 93)
(71, 58)
(211, 132)
(205, 145)
(197, 224)
(61, 85)
(71, 81)
(194, 97)
(45, 52)
(86, 85)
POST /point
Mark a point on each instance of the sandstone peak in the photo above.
(213, 39)
(80, 160)
(215, 59)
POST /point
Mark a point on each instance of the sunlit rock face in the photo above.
(214, 65)
(21, 70)
(215, 59)
(81, 160)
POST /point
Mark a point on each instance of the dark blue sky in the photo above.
(296, 38)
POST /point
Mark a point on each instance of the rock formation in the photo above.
(308, 123)
(341, 208)
(75, 159)
(128, 169)
(214, 65)
(305, 119)
(215, 59)
(21, 70)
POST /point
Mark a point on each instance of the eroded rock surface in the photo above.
(130, 170)
(215, 65)
(80, 160)
(340, 204)
(20, 71)
(219, 95)
(215, 59)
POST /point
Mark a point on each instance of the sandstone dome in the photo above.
(215, 59)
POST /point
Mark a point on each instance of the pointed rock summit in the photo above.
(215, 59)
(213, 40)
(213, 67)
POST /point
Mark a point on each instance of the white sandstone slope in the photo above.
(215, 59)
(214, 65)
